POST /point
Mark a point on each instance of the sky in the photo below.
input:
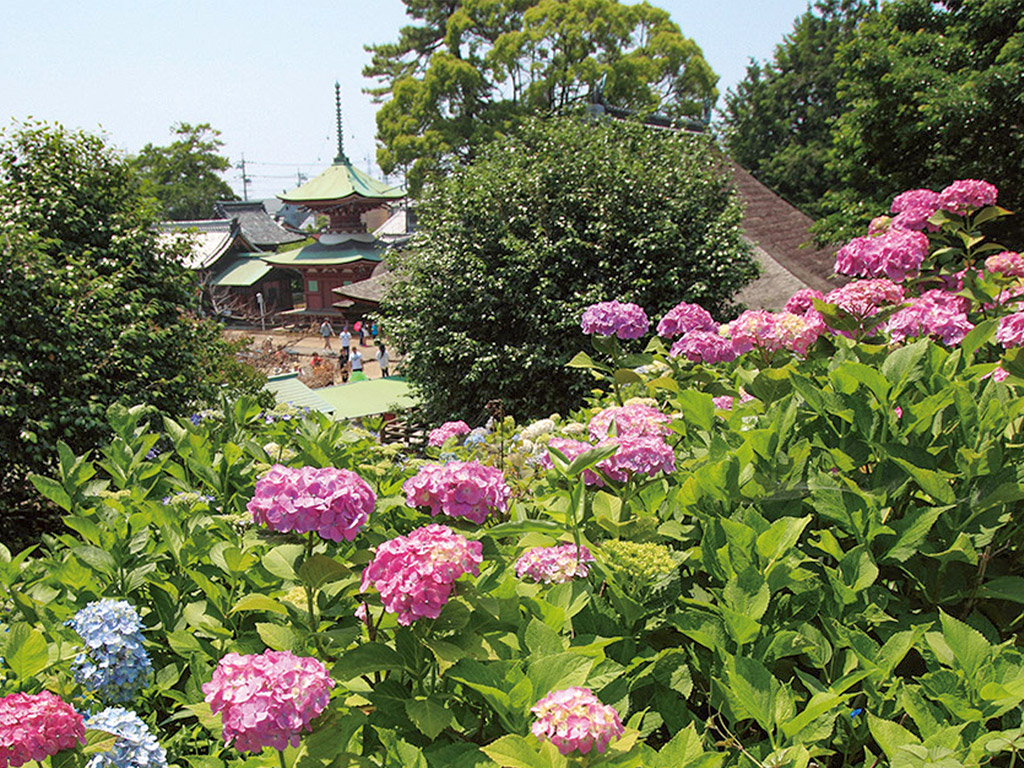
(260, 72)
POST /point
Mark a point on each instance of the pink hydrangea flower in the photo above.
(1010, 332)
(35, 726)
(863, 298)
(335, 503)
(554, 565)
(684, 318)
(466, 489)
(415, 574)
(935, 313)
(440, 435)
(571, 449)
(631, 419)
(267, 699)
(613, 318)
(704, 347)
(575, 719)
(895, 254)
(914, 207)
(1007, 264)
(803, 300)
(770, 332)
(723, 402)
(967, 195)
(637, 455)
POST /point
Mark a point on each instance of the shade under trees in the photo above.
(92, 311)
(184, 178)
(468, 71)
(562, 214)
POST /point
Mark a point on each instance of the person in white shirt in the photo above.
(346, 338)
(383, 359)
(355, 360)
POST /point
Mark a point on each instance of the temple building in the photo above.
(345, 252)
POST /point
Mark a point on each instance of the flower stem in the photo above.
(280, 754)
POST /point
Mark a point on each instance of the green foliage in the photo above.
(860, 103)
(184, 177)
(777, 123)
(92, 312)
(472, 70)
(565, 213)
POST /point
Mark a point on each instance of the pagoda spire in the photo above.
(341, 158)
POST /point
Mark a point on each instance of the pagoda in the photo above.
(345, 251)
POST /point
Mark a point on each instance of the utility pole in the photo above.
(245, 180)
(300, 178)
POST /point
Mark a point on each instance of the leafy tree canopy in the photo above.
(184, 177)
(561, 214)
(778, 121)
(93, 311)
(861, 103)
(471, 69)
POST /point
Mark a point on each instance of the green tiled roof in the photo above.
(366, 398)
(339, 181)
(324, 255)
(242, 272)
(288, 389)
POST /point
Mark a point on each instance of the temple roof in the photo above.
(248, 269)
(258, 226)
(209, 239)
(320, 254)
(339, 182)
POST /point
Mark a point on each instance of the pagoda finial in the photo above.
(341, 158)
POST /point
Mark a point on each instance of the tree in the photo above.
(564, 213)
(184, 177)
(935, 94)
(93, 311)
(778, 121)
(473, 69)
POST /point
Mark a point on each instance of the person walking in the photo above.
(383, 359)
(326, 330)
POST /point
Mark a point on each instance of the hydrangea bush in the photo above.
(778, 539)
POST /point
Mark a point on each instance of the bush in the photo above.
(811, 552)
(92, 311)
(564, 213)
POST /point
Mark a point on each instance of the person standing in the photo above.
(355, 360)
(326, 330)
(383, 359)
(346, 339)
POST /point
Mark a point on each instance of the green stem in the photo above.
(314, 622)
(280, 754)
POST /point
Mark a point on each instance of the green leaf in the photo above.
(781, 537)
(682, 749)
(258, 602)
(206, 717)
(97, 741)
(771, 384)
(933, 483)
(428, 716)
(52, 490)
(517, 752)
(698, 408)
(364, 659)
(625, 376)
(751, 685)
(320, 569)
(587, 459)
(1004, 588)
(890, 736)
(26, 653)
(583, 360)
(969, 646)
(277, 636)
(280, 561)
(902, 365)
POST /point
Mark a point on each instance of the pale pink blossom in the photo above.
(35, 726)
(613, 318)
(631, 419)
(1010, 332)
(803, 300)
(1007, 264)
(439, 436)
(575, 719)
(267, 699)
(967, 195)
(637, 455)
(684, 318)
(415, 574)
(914, 207)
(466, 489)
(335, 503)
(935, 313)
(554, 565)
(896, 254)
(704, 347)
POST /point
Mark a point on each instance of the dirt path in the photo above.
(302, 346)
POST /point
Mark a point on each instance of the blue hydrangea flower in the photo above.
(114, 665)
(135, 747)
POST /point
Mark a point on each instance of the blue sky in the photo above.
(261, 72)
